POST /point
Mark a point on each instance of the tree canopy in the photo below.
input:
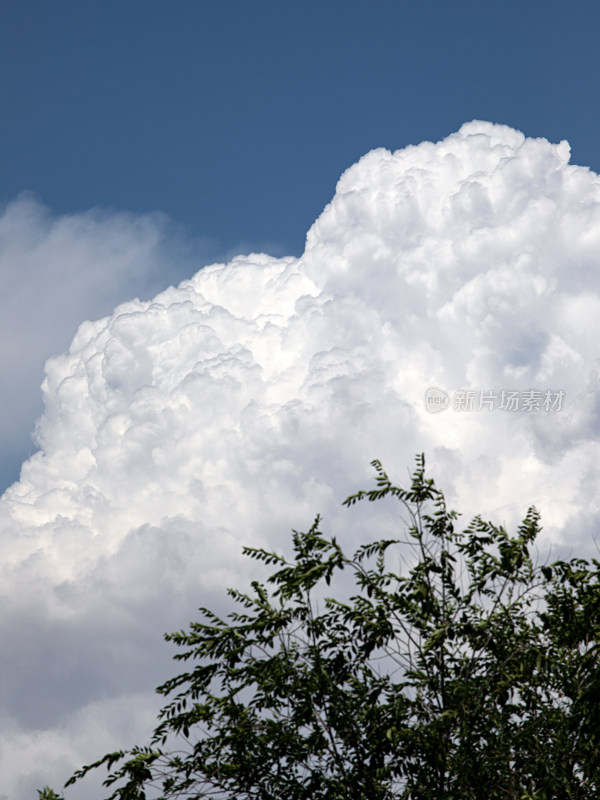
(443, 663)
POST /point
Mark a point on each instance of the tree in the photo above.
(464, 671)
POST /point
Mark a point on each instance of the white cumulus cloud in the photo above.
(240, 403)
(56, 271)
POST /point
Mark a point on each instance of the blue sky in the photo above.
(237, 118)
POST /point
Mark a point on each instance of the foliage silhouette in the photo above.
(466, 672)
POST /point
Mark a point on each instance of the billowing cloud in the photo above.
(240, 403)
(56, 271)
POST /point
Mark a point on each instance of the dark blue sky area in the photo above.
(237, 118)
